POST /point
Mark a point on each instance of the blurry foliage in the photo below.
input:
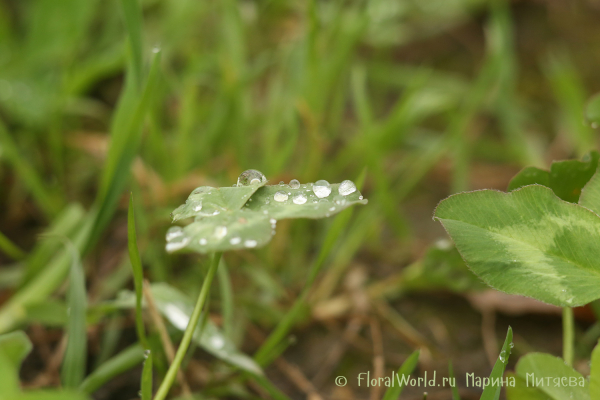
(425, 94)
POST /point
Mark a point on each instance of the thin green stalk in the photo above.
(568, 335)
(11, 249)
(163, 390)
(124, 361)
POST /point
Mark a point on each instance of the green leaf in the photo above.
(521, 391)
(407, 367)
(595, 374)
(14, 347)
(138, 273)
(177, 308)
(566, 178)
(590, 195)
(536, 368)
(527, 242)
(592, 110)
(530, 176)
(492, 392)
(231, 230)
(206, 201)
(147, 377)
(223, 223)
(74, 362)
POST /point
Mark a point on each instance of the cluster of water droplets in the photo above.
(320, 189)
(504, 354)
(294, 192)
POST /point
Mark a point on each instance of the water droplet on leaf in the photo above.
(322, 188)
(340, 200)
(250, 243)
(235, 240)
(251, 177)
(346, 187)
(177, 243)
(294, 184)
(280, 196)
(173, 232)
(502, 356)
(220, 232)
(300, 198)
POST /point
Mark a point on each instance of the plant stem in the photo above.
(568, 335)
(163, 390)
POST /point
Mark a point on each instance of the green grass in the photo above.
(156, 98)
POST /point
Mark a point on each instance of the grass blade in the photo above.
(455, 395)
(147, 376)
(138, 273)
(133, 23)
(10, 249)
(14, 310)
(125, 140)
(74, 363)
(48, 202)
(227, 302)
(492, 392)
(65, 224)
(124, 361)
(407, 368)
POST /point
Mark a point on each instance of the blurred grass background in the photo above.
(428, 97)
